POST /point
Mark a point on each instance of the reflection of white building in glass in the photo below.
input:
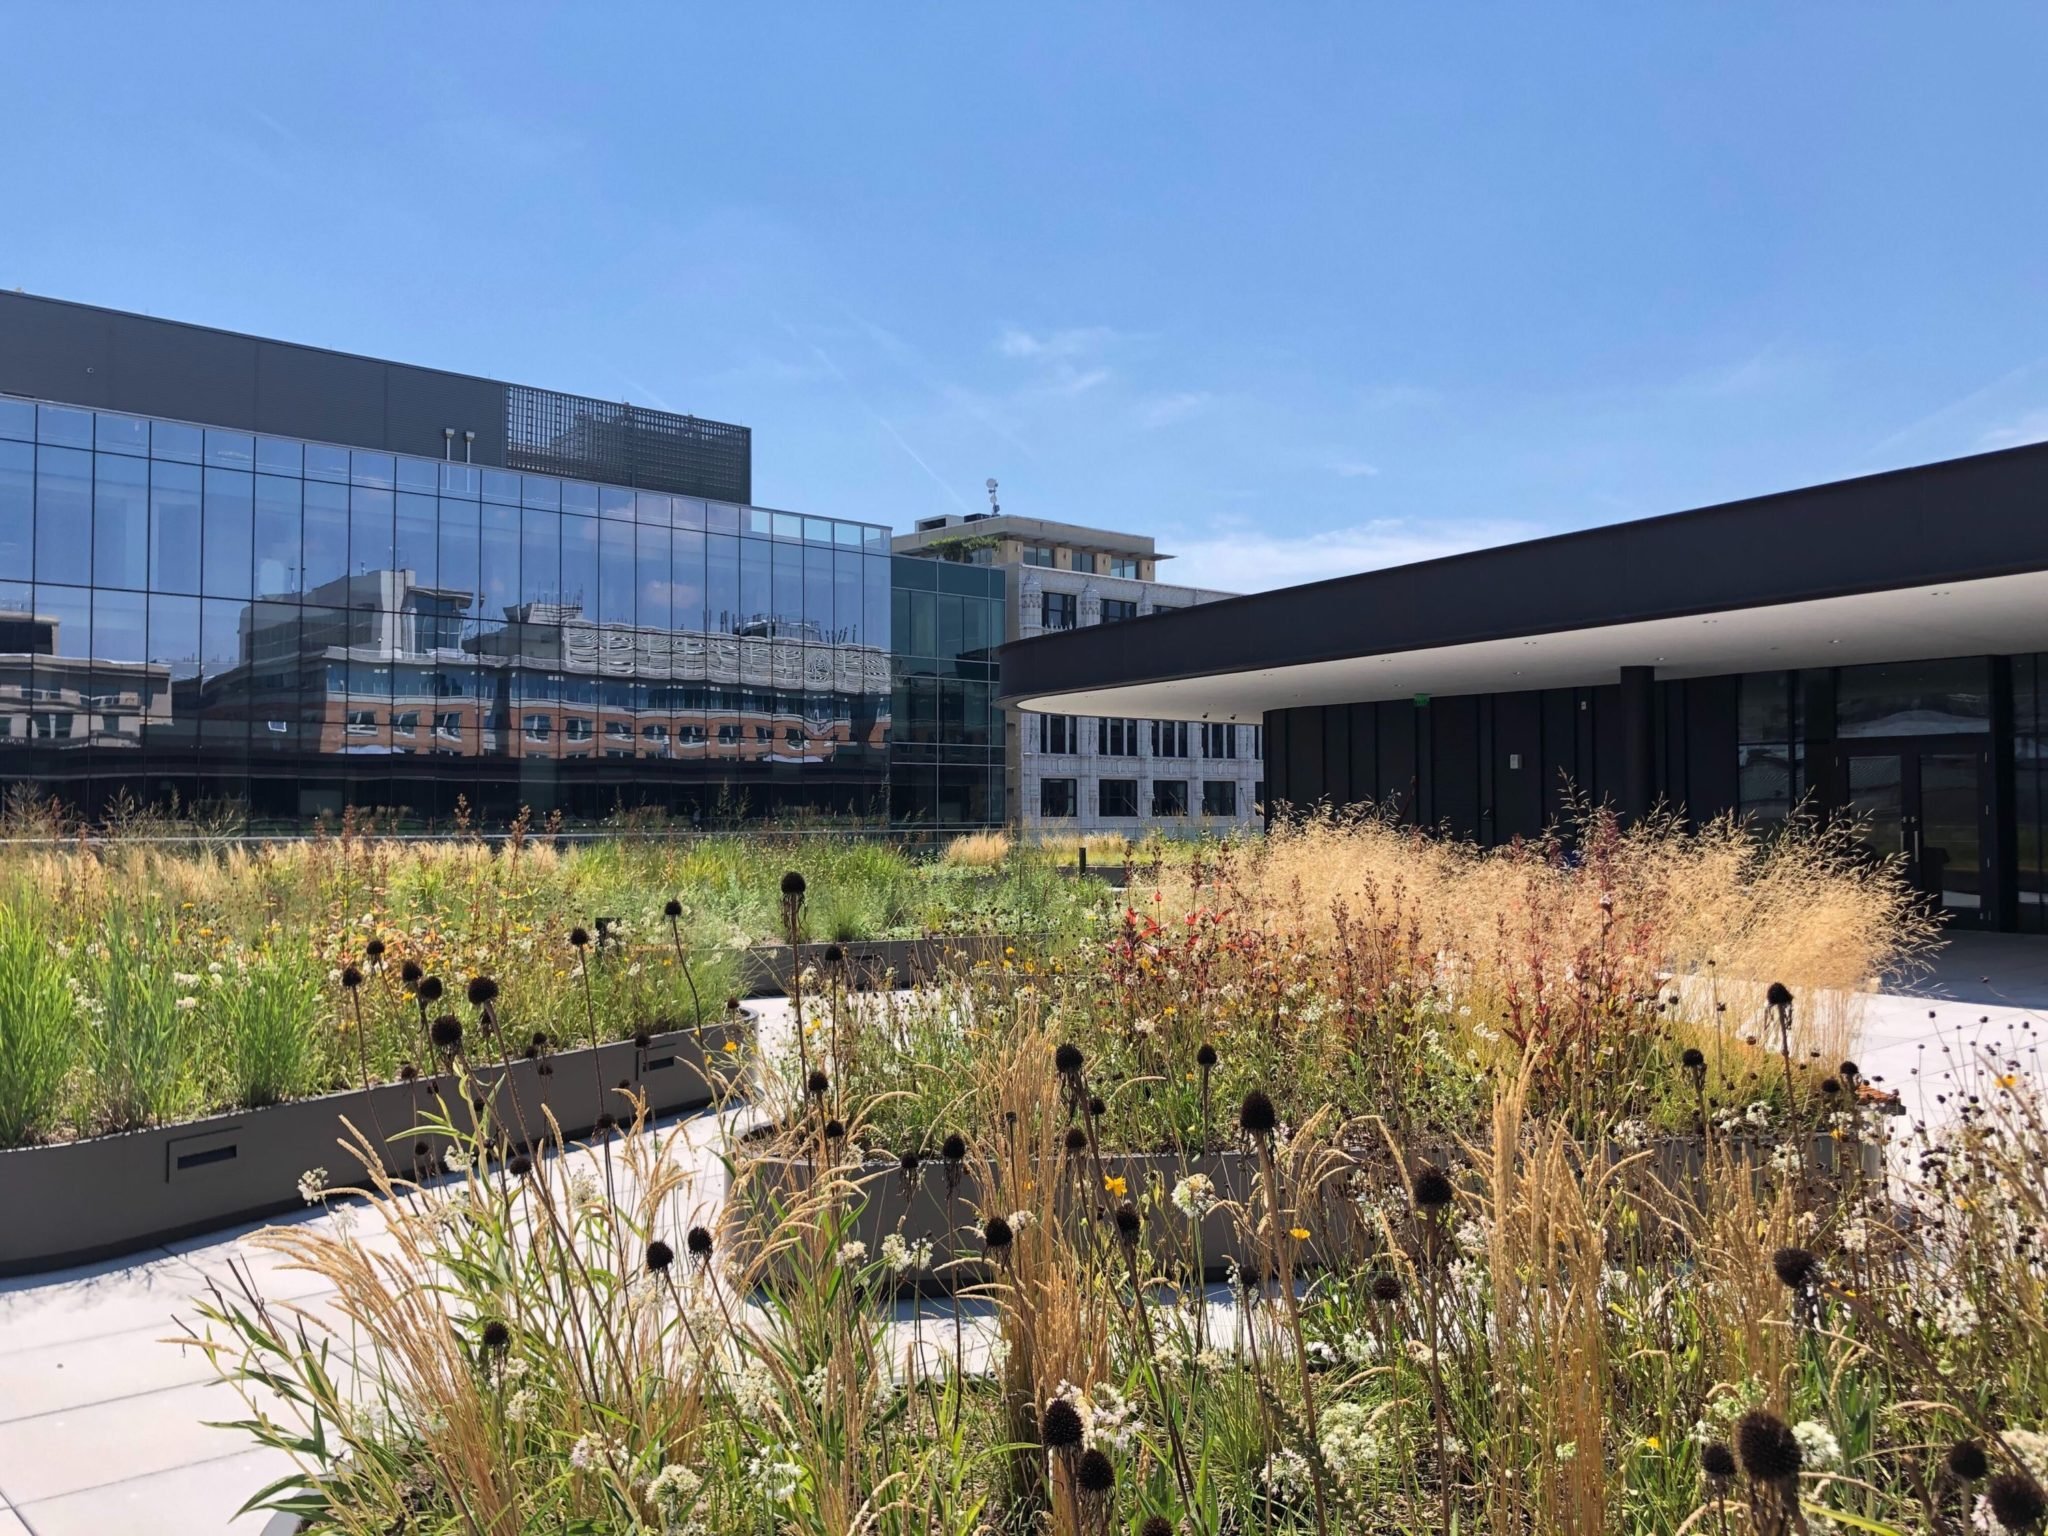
(1078, 772)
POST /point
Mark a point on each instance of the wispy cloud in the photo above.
(1962, 407)
(1072, 342)
(1165, 410)
(2030, 427)
(1354, 469)
(1251, 560)
(1771, 367)
(1390, 397)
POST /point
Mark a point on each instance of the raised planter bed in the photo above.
(73, 1202)
(928, 1205)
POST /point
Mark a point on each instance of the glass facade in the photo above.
(295, 627)
(946, 767)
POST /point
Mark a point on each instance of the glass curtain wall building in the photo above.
(223, 615)
(946, 768)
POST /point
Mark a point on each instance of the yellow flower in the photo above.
(730, 1046)
(1115, 1185)
(1652, 1443)
(1299, 1234)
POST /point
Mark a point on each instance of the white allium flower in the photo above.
(1344, 1435)
(455, 1160)
(1630, 1135)
(1195, 1196)
(1758, 1113)
(188, 1002)
(589, 1452)
(1286, 1475)
(313, 1185)
(854, 1253)
(777, 1477)
(672, 1489)
(522, 1407)
(1818, 1447)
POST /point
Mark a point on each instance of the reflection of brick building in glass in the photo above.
(77, 703)
(378, 664)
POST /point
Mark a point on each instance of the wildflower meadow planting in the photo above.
(1343, 1180)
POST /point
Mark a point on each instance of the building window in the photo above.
(1038, 554)
(1169, 797)
(1219, 741)
(1116, 609)
(1116, 797)
(575, 728)
(1219, 797)
(618, 730)
(1125, 566)
(449, 724)
(1166, 607)
(1170, 739)
(1258, 743)
(406, 722)
(1118, 738)
(1058, 733)
(1058, 610)
(539, 727)
(1767, 744)
(361, 722)
(44, 726)
(1056, 797)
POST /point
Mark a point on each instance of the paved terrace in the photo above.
(103, 1421)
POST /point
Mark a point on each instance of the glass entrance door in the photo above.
(1927, 806)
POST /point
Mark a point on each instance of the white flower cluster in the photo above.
(593, 1451)
(672, 1491)
(1630, 1135)
(1349, 1446)
(1287, 1475)
(1819, 1450)
(854, 1253)
(775, 1475)
(906, 1257)
(313, 1185)
(1195, 1196)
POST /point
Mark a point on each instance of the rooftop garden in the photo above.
(1538, 1188)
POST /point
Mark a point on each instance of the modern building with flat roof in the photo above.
(241, 571)
(1878, 646)
(1068, 772)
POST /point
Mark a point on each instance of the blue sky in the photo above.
(1298, 289)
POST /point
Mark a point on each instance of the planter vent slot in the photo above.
(188, 1155)
(658, 1063)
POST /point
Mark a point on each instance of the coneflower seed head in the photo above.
(1967, 1461)
(1795, 1267)
(1256, 1115)
(1095, 1472)
(792, 885)
(409, 973)
(1433, 1189)
(700, 1242)
(1717, 1461)
(1768, 1451)
(1778, 995)
(659, 1256)
(578, 937)
(1205, 1055)
(351, 977)
(482, 990)
(497, 1337)
(446, 1032)
(995, 1232)
(2017, 1501)
(954, 1148)
(1061, 1427)
(1068, 1060)
(430, 989)
(671, 908)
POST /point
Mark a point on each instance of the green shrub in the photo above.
(139, 1045)
(266, 1014)
(38, 1029)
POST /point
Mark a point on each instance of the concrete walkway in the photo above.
(103, 1422)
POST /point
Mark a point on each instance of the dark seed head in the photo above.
(996, 1234)
(607, 1124)
(1717, 1461)
(497, 1336)
(1096, 1108)
(1156, 1525)
(1967, 1461)
(519, 1166)
(1766, 1447)
(409, 973)
(908, 1160)
(1778, 995)
(445, 1032)
(430, 989)
(1127, 1222)
(482, 990)
(659, 1256)
(1795, 1267)
(374, 949)
(954, 1147)
(700, 1242)
(1694, 1059)
(1830, 1085)
(834, 1130)
(1061, 1427)
(834, 954)
(407, 1071)
(1067, 1060)
(671, 908)
(1095, 1472)
(540, 1040)
(642, 1039)
(351, 977)
(578, 937)
(792, 886)
(1386, 1287)
(817, 1084)
(1205, 1055)
(1077, 1139)
(1433, 1189)
(1850, 1070)
(1256, 1115)
(2016, 1499)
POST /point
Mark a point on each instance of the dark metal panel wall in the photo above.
(1362, 723)
(1395, 730)
(1711, 784)
(1454, 760)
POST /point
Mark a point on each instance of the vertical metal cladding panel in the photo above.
(1608, 747)
(1337, 754)
(1305, 757)
(1671, 727)
(1454, 763)
(1279, 789)
(1559, 765)
(1396, 734)
(1517, 765)
(1362, 724)
(1710, 746)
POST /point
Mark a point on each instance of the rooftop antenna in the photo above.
(994, 507)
